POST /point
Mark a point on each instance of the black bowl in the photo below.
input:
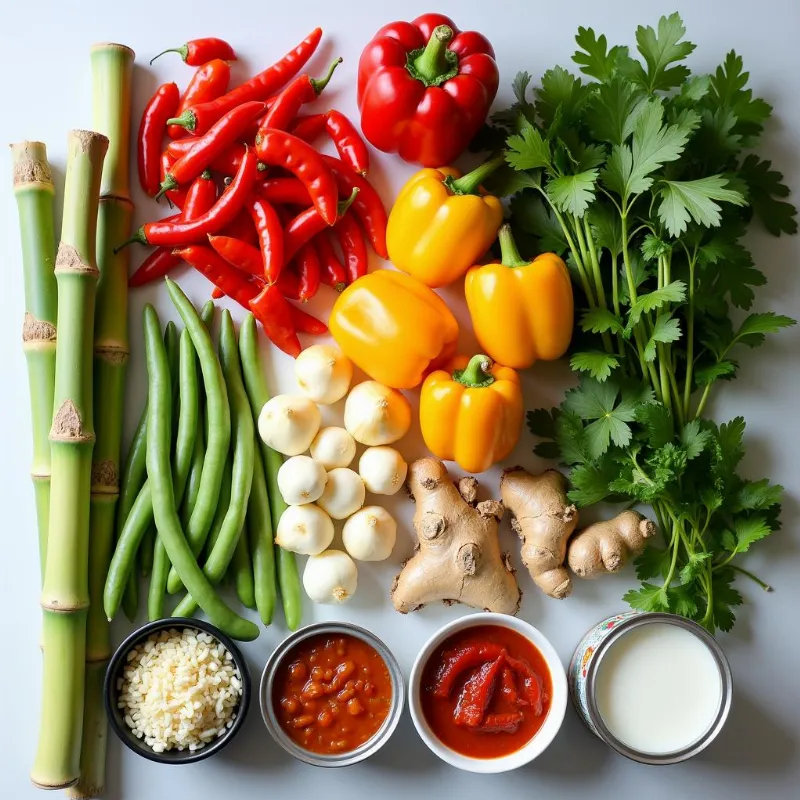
(116, 665)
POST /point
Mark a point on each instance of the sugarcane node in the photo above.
(89, 140)
(37, 330)
(54, 607)
(68, 260)
(31, 166)
(113, 46)
(54, 786)
(68, 425)
(119, 199)
(112, 354)
(105, 477)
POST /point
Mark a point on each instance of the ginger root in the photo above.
(458, 556)
(544, 520)
(606, 546)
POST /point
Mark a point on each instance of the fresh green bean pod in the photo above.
(159, 472)
(130, 596)
(187, 394)
(261, 541)
(258, 394)
(242, 572)
(219, 420)
(243, 449)
(145, 554)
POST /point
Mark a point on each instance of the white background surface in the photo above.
(46, 91)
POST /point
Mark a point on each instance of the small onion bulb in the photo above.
(288, 423)
(304, 529)
(344, 493)
(330, 577)
(376, 414)
(382, 469)
(323, 373)
(301, 480)
(333, 447)
(370, 534)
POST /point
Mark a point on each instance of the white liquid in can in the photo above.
(658, 688)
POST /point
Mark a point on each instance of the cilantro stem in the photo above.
(586, 243)
(765, 586)
(674, 543)
(703, 400)
(687, 386)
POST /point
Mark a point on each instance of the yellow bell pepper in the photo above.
(471, 412)
(393, 327)
(521, 311)
(440, 225)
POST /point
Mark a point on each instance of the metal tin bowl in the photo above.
(585, 666)
(369, 747)
(114, 672)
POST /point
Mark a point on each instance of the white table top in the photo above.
(47, 91)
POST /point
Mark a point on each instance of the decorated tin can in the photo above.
(624, 650)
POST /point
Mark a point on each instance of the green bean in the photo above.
(188, 394)
(219, 421)
(146, 548)
(187, 605)
(158, 470)
(242, 572)
(258, 394)
(243, 446)
(261, 541)
(195, 473)
(130, 596)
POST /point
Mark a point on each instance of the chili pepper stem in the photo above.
(184, 52)
(319, 84)
(186, 120)
(434, 64)
(138, 238)
(509, 253)
(167, 185)
(343, 205)
(470, 183)
(476, 374)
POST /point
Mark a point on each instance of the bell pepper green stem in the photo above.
(509, 254)
(433, 61)
(469, 183)
(476, 374)
(319, 84)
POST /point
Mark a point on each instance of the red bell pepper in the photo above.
(424, 89)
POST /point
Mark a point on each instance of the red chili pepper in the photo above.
(368, 206)
(333, 273)
(200, 117)
(197, 52)
(177, 197)
(161, 107)
(424, 89)
(305, 323)
(310, 127)
(239, 254)
(456, 662)
(178, 234)
(349, 144)
(532, 688)
(285, 191)
(208, 83)
(242, 228)
(224, 133)
(306, 225)
(217, 293)
(509, 687)
(200, 197)
(309, 271)
(270, 237)
(228, 161)
(281, 149)
(275, 314)
(502, 723)
(289, 283)
(477, 693)
(234, 283)
(354, 248)
(303, 89)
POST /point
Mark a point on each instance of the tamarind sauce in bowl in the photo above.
(488, 693)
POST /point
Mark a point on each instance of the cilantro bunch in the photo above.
(641, 176)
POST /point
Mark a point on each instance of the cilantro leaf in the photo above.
(725, 597)
(590, 156)
(754, 495)
(520, 85)
(597, 363)
(528, 150)
(647, 598)
(606, 228)
(755, 327)
(765, 185)
(573, 193)
(570, 436)
(749, 530)
(694, 566)
(651, 562)
(657, 420)
(730, 449)
(593, 55)
(541, 422)
(660, 50)
(508, 181)
(693, 439)
(610, 110)
(600, 320)
(681, 601)
(653, 247)
(674, 292)
(532, 216)
(685, 200)
(665, 330)
(591, 482)
(561, 94)
(719, 370)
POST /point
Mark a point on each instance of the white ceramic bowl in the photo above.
(543, 737)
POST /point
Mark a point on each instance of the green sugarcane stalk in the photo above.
(112, 76)
(65, 593)
(33, 188)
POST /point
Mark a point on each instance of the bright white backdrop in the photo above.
(44, 48)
